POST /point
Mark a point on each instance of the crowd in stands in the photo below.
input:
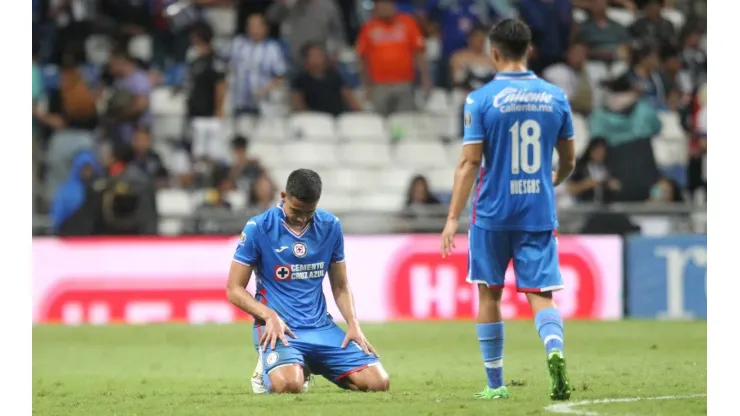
(164, 115)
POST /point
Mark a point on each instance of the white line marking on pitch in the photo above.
(568, 408)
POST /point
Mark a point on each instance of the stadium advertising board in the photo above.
(667, 277)
(129, 280)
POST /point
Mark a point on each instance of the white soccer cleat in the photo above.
(258, 382)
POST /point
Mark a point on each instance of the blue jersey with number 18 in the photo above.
(519, 118)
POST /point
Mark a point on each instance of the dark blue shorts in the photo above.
(320, 349)
(535, 256)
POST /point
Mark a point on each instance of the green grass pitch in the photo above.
(435, 369)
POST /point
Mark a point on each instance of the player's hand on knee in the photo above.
(355, 334)
(275, 329)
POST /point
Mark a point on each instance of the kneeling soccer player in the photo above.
(290, 248)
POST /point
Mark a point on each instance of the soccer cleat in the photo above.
(559, 384)
(491, 394)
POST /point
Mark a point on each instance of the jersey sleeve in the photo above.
(472, 121)
(247, 250)
(337, 254)
(566, 129)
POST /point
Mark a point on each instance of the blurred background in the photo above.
(166, 119)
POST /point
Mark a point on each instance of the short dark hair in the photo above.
(512, 37)
(239, 142)
(304, 185)
(202, 31)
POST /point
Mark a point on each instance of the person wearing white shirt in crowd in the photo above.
(572, 77)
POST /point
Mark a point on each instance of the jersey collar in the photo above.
(515, 75)
(287, 227)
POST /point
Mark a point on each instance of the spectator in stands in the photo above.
(697, 168)
(129, 198)
(390, 46)
(550, 22)
(472, 67)
(320, 87)
(245, 170)
(591, 180)
(653, 27)
(647, 78)
(147, 159)
(624, 4)
(169, 41)
(455, 20)
(215, 197)
(72, 115)
(605, 38)
(74, 22)
(693, 58)
(212, 216)
(132, 90)
(263, 194)
(205, 84)
(573, 78)
(75, 207)
(257, 66)
(666, 190)
(245, 8)
(310, 22)
(420, 204)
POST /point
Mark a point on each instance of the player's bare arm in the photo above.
(566, 165)
(465, 173)
(343, 297)
(236, 291)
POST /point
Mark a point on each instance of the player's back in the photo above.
(290, 266)
(519, 118)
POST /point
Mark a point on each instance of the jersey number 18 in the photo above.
(525, 139)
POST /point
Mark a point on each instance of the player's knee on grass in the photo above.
(369, 379)
(489, 304)
(286, 379)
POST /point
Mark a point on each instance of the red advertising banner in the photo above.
(399, 277)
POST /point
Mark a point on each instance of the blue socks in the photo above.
(491, 339)
(549, 325)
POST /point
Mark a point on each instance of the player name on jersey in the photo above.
(525, 186)
(300, 271)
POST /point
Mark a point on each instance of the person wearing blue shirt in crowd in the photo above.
(72, 209)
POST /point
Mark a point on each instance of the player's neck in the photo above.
(513, 66)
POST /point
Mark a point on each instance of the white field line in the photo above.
(568, 407)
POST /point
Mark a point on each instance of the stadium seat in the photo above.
(440, 180)
(312, 126)
(279, 176)
(347, 179)
(412, 124)
(671, 127)
(164, 102)
(362, 126)
(438, 102)
(309, 154)
(222, 45)
(237, 199)
(420, 155)
(270, 154)
(245, 125)
(380, 202)
(168, 128)
(582, 135)
(337, 202)
(269, 129)
(453, 150)
(363, 154)
(221, 19)
(393, 180)
(621, 16)
(169, 226)
(140, 46)
(174, 202)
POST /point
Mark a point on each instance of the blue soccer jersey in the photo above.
(289, 266)
(519, 118)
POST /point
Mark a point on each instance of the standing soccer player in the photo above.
(512, 126)
(290, 248)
